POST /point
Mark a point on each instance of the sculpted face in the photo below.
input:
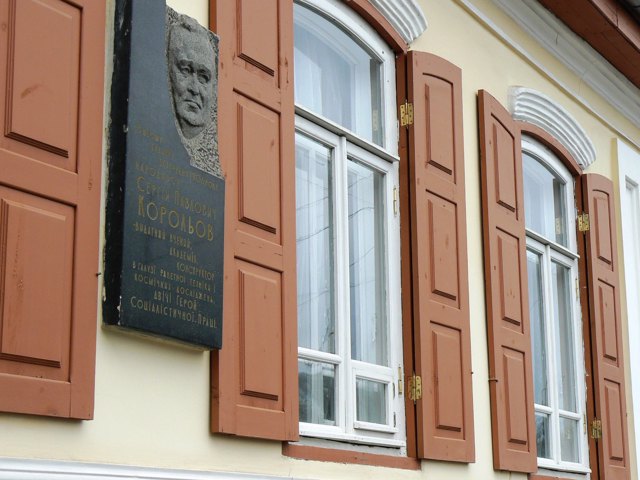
(191, 69)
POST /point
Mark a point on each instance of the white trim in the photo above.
(622, 95)
(341, 131)
(531, 106)
(405, 16)
(576, 54)
(629, 178)
(26, 469)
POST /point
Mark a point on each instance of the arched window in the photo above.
(349, 324)
(556, 328)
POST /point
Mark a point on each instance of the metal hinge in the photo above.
(559, 226)
(406, 114)
(583, 222)
(395, 201)
(400, 392)
(415, 387)
(596, 429)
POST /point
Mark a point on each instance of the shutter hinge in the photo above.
(415, 387)
(583, 222)
(395, 201)
(406, 114)
(596, 429)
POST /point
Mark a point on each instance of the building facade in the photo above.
(431, 268)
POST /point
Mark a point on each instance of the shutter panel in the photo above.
(254, 375)
(510, 367)
(50, 166)
(439, 260)
(603, 273)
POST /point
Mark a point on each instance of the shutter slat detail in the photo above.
(439, 260)
(254, 376)
(604, 314)
(510, 367)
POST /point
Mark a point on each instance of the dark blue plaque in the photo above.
(165, 205)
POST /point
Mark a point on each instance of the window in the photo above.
(556, 331)
(349, 326)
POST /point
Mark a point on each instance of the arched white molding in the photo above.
(536, 108)
(405, 16)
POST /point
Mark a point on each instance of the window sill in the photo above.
(557, 476)
(305, 452)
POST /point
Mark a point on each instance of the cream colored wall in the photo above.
(152, 399)
(198, 9)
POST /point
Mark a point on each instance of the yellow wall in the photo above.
(152, 399)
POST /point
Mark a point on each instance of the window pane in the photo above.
(371, 400)
(543, 435)
(538, 331)
(335, 76)
(314, 243)
(544, 201)
(569, 440)
(560, 276)
(317, 392)
(366, 265)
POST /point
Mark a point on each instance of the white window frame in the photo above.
(347, 427)
(549, 250)
(344, 145)
(361, 31)
(629, 178)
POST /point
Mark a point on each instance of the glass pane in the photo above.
(560, 277)
(371, 398)
(366, 265)
(569, 440)
(335, 76)
(314, 243)
(544, 201)
(538, 330)
(317, 392)
(543, 435)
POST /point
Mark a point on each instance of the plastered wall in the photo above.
(152, 399)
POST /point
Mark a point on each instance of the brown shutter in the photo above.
(603, 273)
(510, 368)
(439, 260)
(254, 376)
(51, 96)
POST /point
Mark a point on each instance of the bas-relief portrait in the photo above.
(192, 61)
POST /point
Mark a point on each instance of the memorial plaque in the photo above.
(165, 204)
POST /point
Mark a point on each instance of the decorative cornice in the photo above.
(576, 54)
(528, 105)
(12, 469)
(406, 16)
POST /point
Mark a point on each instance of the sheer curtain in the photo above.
(316, 316)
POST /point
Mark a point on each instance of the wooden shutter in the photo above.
(254, 376)
(439, 260)
(603, 273)
(510, 367)
(51, 96)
